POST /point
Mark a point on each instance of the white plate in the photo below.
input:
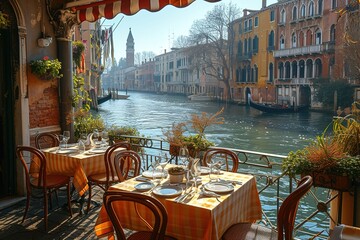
(144, 186)
(204, 170)
(218, 187)
(67, 150)
(154, 174)
(167, 191)
(97, 150)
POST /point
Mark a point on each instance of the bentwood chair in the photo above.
(46, 140)
(285, 219)
(127, 164)
(39, 179)
(227, 158)
(154, 206)
(109, 177)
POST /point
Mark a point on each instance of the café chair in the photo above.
(40, 180)
(285, 219)
(228, 158)
(109, 177)
(46, 140)
(127, 164)
(160, 217)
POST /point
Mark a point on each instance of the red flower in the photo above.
(46, 58)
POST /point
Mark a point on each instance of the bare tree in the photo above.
(212, 39)
(137, 58)
(181, 42)
(147, 55)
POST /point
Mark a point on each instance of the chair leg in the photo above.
(69, 199)
(50, 200)
(46, 210)
(27, 206)
(89, 199)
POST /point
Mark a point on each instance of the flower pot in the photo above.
(176, 178)
(331, 181)
(174, 150)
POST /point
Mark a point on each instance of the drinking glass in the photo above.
(163, 162)
(66, 135)
(105, 138)
(184, 156)
(154, 165)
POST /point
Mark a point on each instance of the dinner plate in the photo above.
(219, 187)
(204, 170)
(167, 191)
(144, 186)
(97, 150)
(67, 150)
(154, 174)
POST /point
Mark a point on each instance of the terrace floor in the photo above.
(61, 226)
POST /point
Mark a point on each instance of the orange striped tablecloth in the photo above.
(78, 165)
(200, 218)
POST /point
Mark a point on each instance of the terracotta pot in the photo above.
(174, 150)
(176, 178)
(331, 181)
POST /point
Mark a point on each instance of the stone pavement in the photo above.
(61, 226)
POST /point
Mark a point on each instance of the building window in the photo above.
(282, 42)
(287, 91)
(332, 33)
(250, 24)
(333, 4)
(249, 45)
(245, 46)
(302, 11)
(318, 37)
(255, 44)
(293, 40)
(280, 91)
(240, 28)
(311, 9)
(294, 13)
(271, 39)
(271, 72)
(272, 15)
(282, 16)
(320, 7)
(240, 48)
(245, 26)
(256, 23)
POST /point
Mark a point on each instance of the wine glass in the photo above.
(163, 162)
(105, 138)
(66, 136)
(154, 165)
(184, 156)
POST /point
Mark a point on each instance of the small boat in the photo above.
(101, 100)
(277, 108)
(119, 96)
(199, 97)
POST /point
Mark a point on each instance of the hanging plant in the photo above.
(4, 20)
(46, 68)
(78, 49)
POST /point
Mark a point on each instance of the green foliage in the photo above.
(116, 132)
(80, 95)
(198, 142)
(4, 20)
(78, 48)
(296, 163)
(325, 90)
(46, 68)
(84, 122)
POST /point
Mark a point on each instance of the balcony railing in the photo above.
(273, 184)
(298, 51)
(293, 81)
(245, 56)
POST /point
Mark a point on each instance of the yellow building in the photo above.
(254, 64)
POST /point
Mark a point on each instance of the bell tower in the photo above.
(130, 50)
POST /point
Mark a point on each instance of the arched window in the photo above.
(294, 13)
(309, 38)
(301, 39)
(333, 4)
(271, 72)
(302, 69)
(294, 69)
(243, 75)
(320, 7)
(252, 75)
(311, 9)
(271, 39)
(302, 11)
(282, 16)
(282, 42)
(255, 44)
(238, 71)
(249, 45)
(245, 47)
(332, 33)
(287, 70)
(309, 68)
(318, 68)
(281, 70)
(256, 73)
(248, 70)
(293, 40)
(240, 48)
(318, 37)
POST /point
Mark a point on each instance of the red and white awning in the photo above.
(110, 8)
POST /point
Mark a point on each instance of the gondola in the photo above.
(276, 108)
(101, 100)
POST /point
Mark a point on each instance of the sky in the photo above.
(156, 31)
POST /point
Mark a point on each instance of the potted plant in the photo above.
(78, 49)
(333, 159)
(175, 137)
(4, 20)
(46, 68)
(176, 174)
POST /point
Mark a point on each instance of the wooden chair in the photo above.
(40, 179)
(157, 209)
(127, 162)
(109, 177)
(46, 140)
(228, 158)
(285, 220)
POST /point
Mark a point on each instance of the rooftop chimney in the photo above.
(245, 11)
(263, 3)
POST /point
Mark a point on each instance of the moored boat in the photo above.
(276, 108)
(199, 97)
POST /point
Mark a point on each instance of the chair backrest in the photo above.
(127, 161)
(288, 209)
(158, 210)
(228, 158)
(37, 168)
(109, 160)
(46, 140)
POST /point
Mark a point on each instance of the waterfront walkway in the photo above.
(61, 226)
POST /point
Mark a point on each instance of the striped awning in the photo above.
(110, 8)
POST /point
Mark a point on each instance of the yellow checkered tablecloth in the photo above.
(200, 218)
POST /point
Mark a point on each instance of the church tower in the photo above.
(130, 50)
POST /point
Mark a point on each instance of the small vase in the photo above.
(176, 178)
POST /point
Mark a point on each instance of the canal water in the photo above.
(244, 128)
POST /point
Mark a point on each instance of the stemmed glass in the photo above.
(163, 164)
(66, 137)
(105, 138)
(184, 156)
(154, 165)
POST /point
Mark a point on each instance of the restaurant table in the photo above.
(201, 217)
